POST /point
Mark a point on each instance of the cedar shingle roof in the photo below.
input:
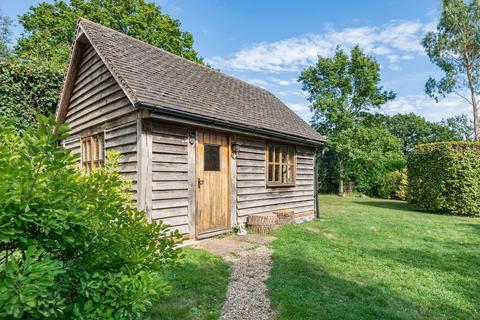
(154, 77)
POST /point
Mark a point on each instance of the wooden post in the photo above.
(192, 178)
(144, 164)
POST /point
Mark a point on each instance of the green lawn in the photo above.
(199, 286)
(376, 259)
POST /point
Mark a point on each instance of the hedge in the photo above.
(445, 177)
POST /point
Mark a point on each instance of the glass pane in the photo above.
(270, 153)
(211, 157)
(290, 174)
(84, 148)
(100, 143)
(284, 173)
(270, 172)
(277, 173)
(284, 154)
(291, 153)
(88, 153)
(277, 154)
(95, 149)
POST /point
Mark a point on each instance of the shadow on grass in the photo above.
(393, 205)
(475, 227)
(198, 288)
(452, 262)
(302, 290)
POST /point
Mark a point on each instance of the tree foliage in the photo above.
(50, 27)
(341, 90)
(31, 76)
(72, 245)
(27, 88)
(455, 49)
(412, 129)
(461, 125)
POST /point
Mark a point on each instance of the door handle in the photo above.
(200, 182)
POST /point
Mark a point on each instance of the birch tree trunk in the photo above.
(471, 85)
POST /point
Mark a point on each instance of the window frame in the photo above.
(92, 159)
(280, 164)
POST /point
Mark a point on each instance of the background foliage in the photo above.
(27, 88)
(72, 246)
(32, 72)
(393, 185)
(50, 27)
(445, 177)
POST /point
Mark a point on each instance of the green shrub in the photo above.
(73, 245)
(446, 177)
(27, 88)
(393, 185)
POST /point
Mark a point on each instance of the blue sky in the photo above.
(269, 42)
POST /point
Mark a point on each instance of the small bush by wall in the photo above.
(393, 185)
(445, 177)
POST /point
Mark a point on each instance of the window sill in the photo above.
(280, 185)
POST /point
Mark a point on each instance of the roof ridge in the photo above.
(209, 69)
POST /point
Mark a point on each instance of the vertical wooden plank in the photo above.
(192, 178)
(144, 165)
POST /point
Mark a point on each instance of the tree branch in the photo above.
(461, 96)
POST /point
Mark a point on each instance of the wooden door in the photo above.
(213, 181)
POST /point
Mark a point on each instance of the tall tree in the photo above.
(455, 48)
(50, 27)
(341, 88)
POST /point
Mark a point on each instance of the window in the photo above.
(280, 165)
(211, 157)
(93, 155)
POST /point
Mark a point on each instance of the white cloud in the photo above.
(283, 82)
(398, 40)
(423, 105)
(293, 92)
(395, 57)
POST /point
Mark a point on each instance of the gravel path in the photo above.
(247, 295)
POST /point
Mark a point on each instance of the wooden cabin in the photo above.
(204, 150)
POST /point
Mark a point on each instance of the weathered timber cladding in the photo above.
(96, 97)
(99, 105)
(123, 139)
(170, 180)
(253, 196)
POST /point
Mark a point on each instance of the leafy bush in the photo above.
(72, 245)
(393, 185)
(27, 88)
(446, 177)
